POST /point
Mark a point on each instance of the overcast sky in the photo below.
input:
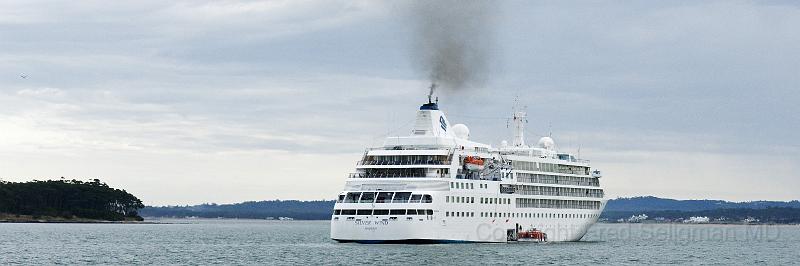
(185, 102)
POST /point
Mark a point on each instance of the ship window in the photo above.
(415, 198)
(341, 198)
(471, 186)
(364, 212)
(367, 197)
(397, 212)
(401, 197)
(337, 212)
(348, 212)
(381, 212)
(430, 212)
(352, 197)
(447, 214)
(384, 197)
(412, 212)
(452, 185)
(427, 199)
(472, 200)
(421, 212)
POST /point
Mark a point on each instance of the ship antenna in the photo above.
(520, 119)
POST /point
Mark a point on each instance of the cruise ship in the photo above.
(436, 185)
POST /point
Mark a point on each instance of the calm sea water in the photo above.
(306, 242)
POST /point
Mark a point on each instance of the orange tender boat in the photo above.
(532, 235)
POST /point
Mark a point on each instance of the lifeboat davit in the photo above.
(473, 163)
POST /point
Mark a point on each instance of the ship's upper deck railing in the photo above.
(403, 162)
(408, 148)
(539, 154)
(395, 175)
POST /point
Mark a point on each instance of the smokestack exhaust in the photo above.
(453, 41)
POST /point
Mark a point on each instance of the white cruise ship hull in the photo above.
(379, 229)
(494, 227)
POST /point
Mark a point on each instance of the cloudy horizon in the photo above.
(192, 102)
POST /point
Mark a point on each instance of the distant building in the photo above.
(750, 220)
(697, 220)
(637, 218)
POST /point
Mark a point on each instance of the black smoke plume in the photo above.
(453, 41)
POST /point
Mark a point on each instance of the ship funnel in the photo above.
(431, 105)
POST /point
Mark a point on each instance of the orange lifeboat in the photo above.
(473, 163)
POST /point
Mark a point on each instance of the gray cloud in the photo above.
(191, 86)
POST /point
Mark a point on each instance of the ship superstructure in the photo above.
(437, 186)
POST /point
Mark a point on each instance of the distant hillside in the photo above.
(616, 208)
(304, 210)
(650, 203)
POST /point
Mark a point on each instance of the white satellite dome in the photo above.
(546, 143)
(461, 131)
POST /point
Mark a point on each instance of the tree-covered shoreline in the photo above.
(66, 200)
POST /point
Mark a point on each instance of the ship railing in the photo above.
(404, 162)
(574, 160)
(391, 175)
(406, 148)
